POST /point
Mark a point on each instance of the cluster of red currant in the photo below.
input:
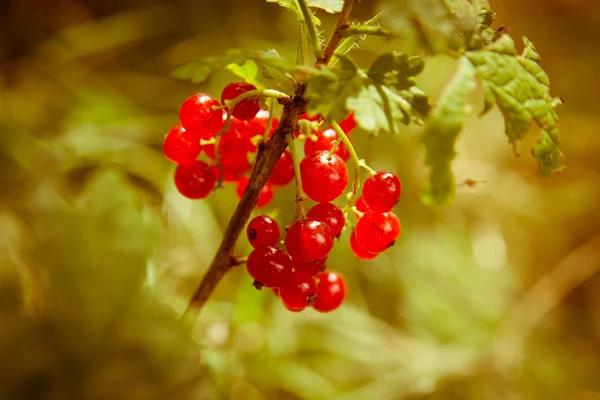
(297, 274)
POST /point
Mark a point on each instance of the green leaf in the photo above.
(328, 91)
(199, 70)
(251, 72)
(396, 70)
(330, 6)
(441, 130)
(520, 88)
(292, 5)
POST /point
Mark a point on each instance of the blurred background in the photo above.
(493, 297)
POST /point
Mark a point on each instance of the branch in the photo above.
(265, 162)
(334, 39)
(366, 30)
(312, 31)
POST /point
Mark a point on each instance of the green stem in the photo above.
(270, 121)
(350, 42)
(302, 45)
(356, 181)
(366, 30)
(312, 31)
(300, 196)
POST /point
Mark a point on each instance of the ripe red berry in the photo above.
(309, 267)
(361, 205)
(323, 179)
(283, 173)
(181, 146)
(237, 140)
(325, 141)
(197, 114)
(308, 240)
(377, 231)
(382, 191)
(269, 266)
(358, 250)
(331, 291)
(297, 292)
(234, 167)
(194, 180)
(258, 124)
(245, 109)
(330, 214)
(263, 231)
(266, 194)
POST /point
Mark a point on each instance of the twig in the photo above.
(265, 162)
(312, 31)
(300, 196)
(334, 39)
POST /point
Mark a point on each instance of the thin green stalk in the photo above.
(302, 45)
(312, 31)
(366, 30)
(269, 122)
(356, 181)
(300, 196)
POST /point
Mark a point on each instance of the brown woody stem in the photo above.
(336, 37)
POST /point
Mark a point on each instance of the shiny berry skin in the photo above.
(361, 205)
(237, 140)
(234, 167)
(381, 191)
(358, 250)
(245, 109)
(308, 240)
(258, 124)
(323, 179)
(263, 231)
(376, 231)
(181, 146)
(325, 141)
(197, 114)
(194, 180)
(331, 291)
(297, 292)
(309, 267)
(330, 214)
(283, 173)
(269, 266)
(265, 196)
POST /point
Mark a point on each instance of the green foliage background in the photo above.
(493, 297)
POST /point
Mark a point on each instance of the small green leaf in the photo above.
(199, 70)
(520, 88)
(250, 72)
(441, 130)
(292, 5)
(396, 70)
(330, 6)
(327, 91)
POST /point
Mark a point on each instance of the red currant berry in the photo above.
(194, 180)
(181, 146)
(245, 109)
(348, 124)
(263, 231)
(266, 194)
(234, 167)
(330, 214)
(325, 141)
(358, 250)
(309, 267)
(323, 179)
(283, 173)
(197, 114)
(361, 205)
(382, 191)
(376, 231)
(269, 266)
(308, 240)
(237, 140)
(297, 292)
(258, 124)
(331, 291)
